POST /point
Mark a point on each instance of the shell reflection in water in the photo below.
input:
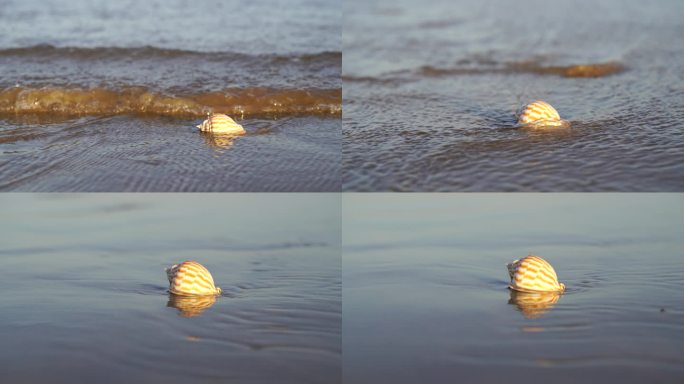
(533, 274)
(540, 114)
(534, 304)
(218, 141)
(191, 278)
(190, 306)
(218, 123)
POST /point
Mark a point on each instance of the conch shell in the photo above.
(218, 123)
(533, 274)
(190, 278)
(539, 113)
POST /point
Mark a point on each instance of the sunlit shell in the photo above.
(534, 304)
(191, 306)
(539, 112)
(220, 123)
(190, 278)
(533, 274)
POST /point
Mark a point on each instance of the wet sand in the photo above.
(426, 297)
(86, 300)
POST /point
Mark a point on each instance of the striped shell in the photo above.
(220, 123)
(539, 112)
(533, 274)
(534, 304)
(191, 306)
(190, 278)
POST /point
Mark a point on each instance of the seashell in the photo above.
(220, 123)
(534, 304)
(191, 306)
(533, 274)
(190, 278)
(539, 113)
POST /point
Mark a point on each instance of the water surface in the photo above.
(431, 91)
(86, 300)
(426, 299)
(120, 153)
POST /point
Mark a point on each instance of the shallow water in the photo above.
(426, 299)
(431, 92)
(128, 153)
(103, 97)
(86, 298)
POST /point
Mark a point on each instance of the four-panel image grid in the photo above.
(341, 191)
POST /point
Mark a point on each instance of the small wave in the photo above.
(483, 68)
(143, 52)
(372, 80)
(140, 100)
(578, 70)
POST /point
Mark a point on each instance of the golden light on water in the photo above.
(190, 306)
(218, 141)
(534, 305)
